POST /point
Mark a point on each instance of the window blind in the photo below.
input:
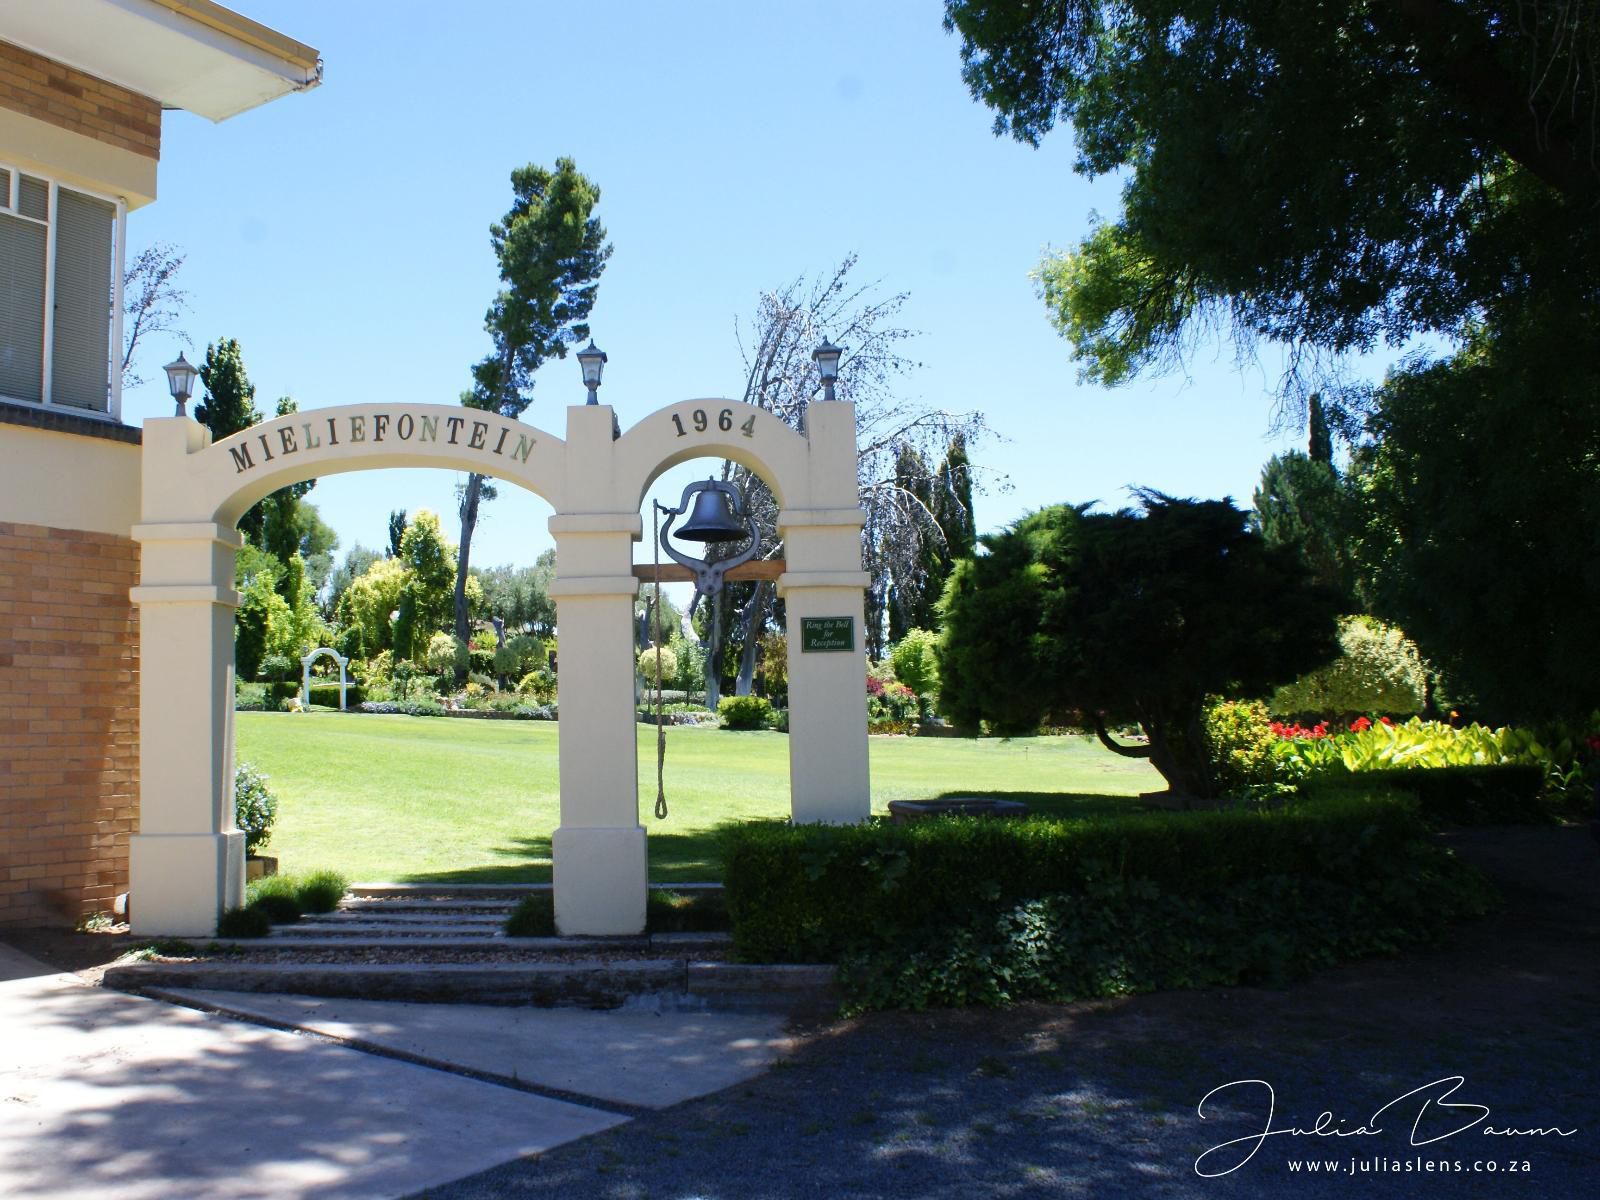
(81, 344)
(22, 247)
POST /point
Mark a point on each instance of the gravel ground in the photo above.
(1100, 1099)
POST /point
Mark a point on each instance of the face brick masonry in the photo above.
(69, 721)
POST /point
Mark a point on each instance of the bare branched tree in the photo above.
(151, 303)
(781, 377)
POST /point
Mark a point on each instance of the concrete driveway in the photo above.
(119, 1097)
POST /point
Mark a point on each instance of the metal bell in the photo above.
(713, 518)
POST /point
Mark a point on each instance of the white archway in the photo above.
(187, 860)
(305, 674)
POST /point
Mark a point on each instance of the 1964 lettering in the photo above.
(702, 422)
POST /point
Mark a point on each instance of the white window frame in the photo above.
(9, 204)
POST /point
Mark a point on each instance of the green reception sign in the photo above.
(827, 633)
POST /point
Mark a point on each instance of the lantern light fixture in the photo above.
(827, 356)
(180, 381)
(593, 360)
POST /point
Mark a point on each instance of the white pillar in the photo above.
(600, 866)
(186, 863)
(829, 774)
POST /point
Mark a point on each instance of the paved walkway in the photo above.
(119, 1097)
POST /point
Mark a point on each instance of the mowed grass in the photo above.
(414, 799)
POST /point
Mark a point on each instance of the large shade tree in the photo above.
(1340, 176)
(1135, 615)
(1330, 175)
(1493, 571)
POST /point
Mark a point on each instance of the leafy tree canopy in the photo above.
(551, 250)
(1331, 175)
(1302, 505)
(1129, 615)
(1481, 495)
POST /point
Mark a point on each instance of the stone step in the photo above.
(350, 916)
(402, 907)
(484, 891)
(356, 931)
(667, 982)
(285, 940)
(455, 891)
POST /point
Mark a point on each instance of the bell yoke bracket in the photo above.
(734, 524)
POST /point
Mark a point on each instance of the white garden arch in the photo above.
(305, 674)
(187, 860)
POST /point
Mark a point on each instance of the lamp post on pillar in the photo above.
(593, 360)
(180, 382)
(826, 356)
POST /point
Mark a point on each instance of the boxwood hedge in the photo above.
(963, 910)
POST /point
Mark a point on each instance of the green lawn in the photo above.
(414, 799)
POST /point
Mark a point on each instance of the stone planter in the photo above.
(258, 866)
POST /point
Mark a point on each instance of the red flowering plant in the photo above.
(1293, 731)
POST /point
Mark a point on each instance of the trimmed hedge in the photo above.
(963, 911)
(1504, 794)
(327, 695)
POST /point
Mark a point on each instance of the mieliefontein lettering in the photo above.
(292, 438)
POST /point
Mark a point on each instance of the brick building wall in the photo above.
(69, 721)
(54, 93)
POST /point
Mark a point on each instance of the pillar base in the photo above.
(600, 881)
(179, 883)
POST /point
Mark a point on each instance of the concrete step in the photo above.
(402, 907)
(372, 932)
(355, 917)
(482, 891)
(288, 939)
(594, 984)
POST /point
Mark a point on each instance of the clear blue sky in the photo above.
(342, 235)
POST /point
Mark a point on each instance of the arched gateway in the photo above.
(187, 860)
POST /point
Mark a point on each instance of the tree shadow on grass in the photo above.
(674, 858)
(696, 857)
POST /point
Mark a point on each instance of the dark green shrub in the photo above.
(276, 667)
(964, 911)
(276, 896)
(255, 808)
(327, 695)
(250, 697)
(247, 922)
(534, 916)
(1506, 794)
(699, 911)
(279, 692)
(744, 712)
(481, 662)
(321, 891)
